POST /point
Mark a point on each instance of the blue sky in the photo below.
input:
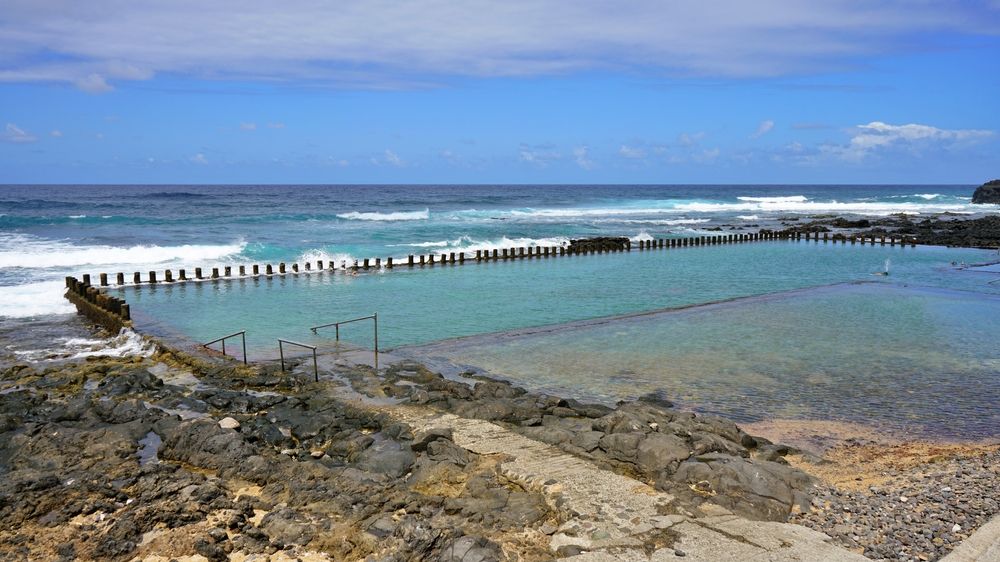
(499, 92)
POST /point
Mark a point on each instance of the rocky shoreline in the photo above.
(178, 456)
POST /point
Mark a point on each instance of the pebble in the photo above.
(920, 514)
(229, 423)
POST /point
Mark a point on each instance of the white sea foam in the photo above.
(336, 258)
(748, 217)
(397, 216)
(30, 252)
(929, 196)
(776, 200)
(126, 344)
(821, 207)
(78, 216)
(641, 237)
(34, 299)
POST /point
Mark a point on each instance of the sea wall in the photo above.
(110, 312)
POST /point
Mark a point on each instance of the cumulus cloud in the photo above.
(332, 40)
(15, 134)
(877, 136)
(581, 158)
(634, 153)
(57, 134)
(762, 129)
(94, 84)
(393, 159)
(199, 159)
(248, 127)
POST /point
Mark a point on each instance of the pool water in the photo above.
(913, 361)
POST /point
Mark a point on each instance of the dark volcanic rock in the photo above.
(988, 193)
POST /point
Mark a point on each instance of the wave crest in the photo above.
(396, 216)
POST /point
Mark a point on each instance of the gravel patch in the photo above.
(921, 513)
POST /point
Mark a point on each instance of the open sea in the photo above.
(800, 330)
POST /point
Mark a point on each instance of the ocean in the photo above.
(49, 232)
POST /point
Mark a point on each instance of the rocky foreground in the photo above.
(181, 457)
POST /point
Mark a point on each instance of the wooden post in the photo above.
(365, 266)
(430, 259)
(479, 255)
(256, 269)
(229, 271)
(461, 257)
(281, 267)
(136, 278)
(152, 277)
(168, 276)
(378, 263)
(319, 265)
(269, 270)
(121, 278)
(104, 279)
(421, 259)
(409, 260)
(243, 270)
(388, 262)
(125, 312)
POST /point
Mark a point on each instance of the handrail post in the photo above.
(281, 352)
(243, 335)
(375, 317)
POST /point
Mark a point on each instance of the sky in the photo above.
(486, 92)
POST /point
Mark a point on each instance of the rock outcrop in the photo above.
(987, 194)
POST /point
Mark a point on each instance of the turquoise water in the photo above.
(913, 361)
(421, 305)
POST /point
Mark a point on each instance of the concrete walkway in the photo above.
(982, 546)
(617, 518)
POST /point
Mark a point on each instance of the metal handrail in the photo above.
(281, 351)
(337, 326)
(241, 333)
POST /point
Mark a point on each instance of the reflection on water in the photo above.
(913, 360)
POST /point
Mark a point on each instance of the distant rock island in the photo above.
(988, 193)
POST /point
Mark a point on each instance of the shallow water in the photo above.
(420, 305)
(913, 361)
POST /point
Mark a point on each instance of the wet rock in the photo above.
(587, 440)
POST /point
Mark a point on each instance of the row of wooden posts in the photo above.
(111, 312)
(499, 254)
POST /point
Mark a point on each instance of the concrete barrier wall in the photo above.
(587, 246)
(110, 312)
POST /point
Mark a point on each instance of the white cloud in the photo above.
(16, 135)
(539, 158)
(764, 128)
(275, 125)
(581, 158)
(635, 153)
(94, 84)
(877, 136)
(199, 159)
(686, 140)
(393, 159)
(57, 134)
(248, 127)
(257, 39)
(705, 156)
